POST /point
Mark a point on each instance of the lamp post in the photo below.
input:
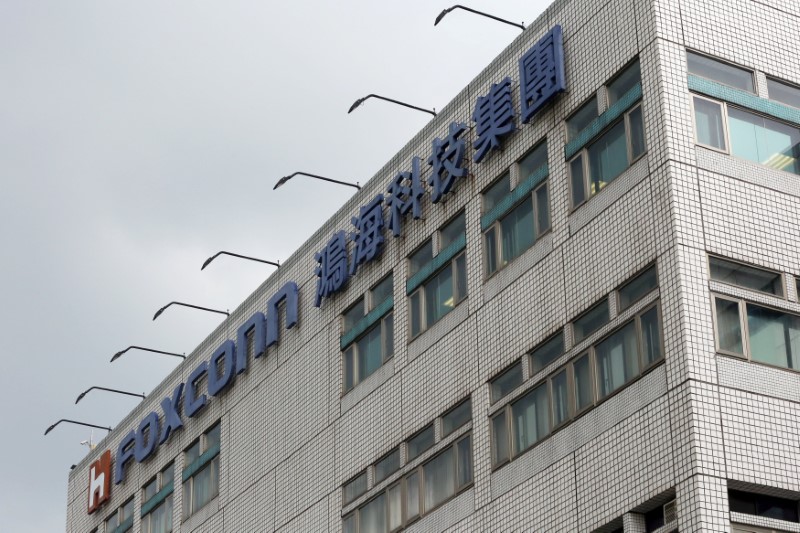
(158, 313)
(48, 430)
(398, 102)
(81, 395)
(287, 178)
(119, 353)
(208, 261)
(449, 9)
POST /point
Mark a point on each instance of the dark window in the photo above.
(763, 505)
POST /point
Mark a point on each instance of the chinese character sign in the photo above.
(405, 194)
(368, 236)
(494, 115)
(332, 269)
(447, 157)
(541, 72)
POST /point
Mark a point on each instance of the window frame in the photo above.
(420, 291)
(583, 154)
(723, 62)
(781, 275)
(631, 279)
(203, 448)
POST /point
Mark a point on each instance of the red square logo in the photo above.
(100, 481)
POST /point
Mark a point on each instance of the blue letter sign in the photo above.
(446, 159)
(332, 269)
(404, 198)
(494, 114)
(541, 73)
(368, 236)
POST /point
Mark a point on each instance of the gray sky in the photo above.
(138, 138)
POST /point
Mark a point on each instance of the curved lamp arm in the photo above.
(290, 176)
(81, 395)
(208, 261)
(192, 306)
(457, 6)
(119, 353)
(48, 430)
(398, 102)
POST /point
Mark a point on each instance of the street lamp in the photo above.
(48, 430)
(192, 306)
(398, 102)
(287, 178)
(273, 263)
(119, 353)
(81, 395)
(449, 9)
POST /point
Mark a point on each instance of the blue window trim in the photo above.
(505, 205)
(597, 126)
(126, 525)
(366, 322)
(157, 498)
(744, 99)
(436, 263)
(200, 462)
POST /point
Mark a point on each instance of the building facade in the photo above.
(586, 321)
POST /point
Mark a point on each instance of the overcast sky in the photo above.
(138, 138)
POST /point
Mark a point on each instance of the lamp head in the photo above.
(81, 395)
(160, 311)
(441, 15)
(211, 258)
(356, 104)
(280, 182)
(117, 355)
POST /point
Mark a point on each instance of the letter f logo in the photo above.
(100, 481)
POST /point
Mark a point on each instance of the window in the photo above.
(201, 471)
(587, 379)
(507, 381)
(633, 291)
(721, 72)
(440, 292)
(615, 149)
(354, 488)
(456, 417)
(388, 465)
(745, 276)
(783, 92)
(157, 502)
(371, 349)
(420, 491)
(581, 118)
(419, 443)
(590, 321)
(547, 352)
(747, 135)
(518, 228)
(120, 520)
(763, 505)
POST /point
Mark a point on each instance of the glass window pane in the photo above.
(496, 192)
(729, 330)
(353, 314)
(530, 416)
(187, 497)
(608, 157)
(412, 496)
(440, 478)
(149, 490)
(532, 162)
(624, 83)
(212, 437)
(768, 335)
(167, 475)
(388, 335)
(718, 71)
(576, 181)
(584, 384)
(581, 118)
(461, 277)
(517, 231)
(370, 356)
(349, 523)
(708, 123)
(372, 516)
(387, 466)
(560, 395)
(500, 441)
(452, 231)
(192, 453)
(746, 276)
(783, 92)
(381, 291)
(590, 321)
(420, 258)
(439, 299)
(636, 132)
(763, 140)
(354, 488)
(547, 352)
(636, 288)
(394, 506)
(617, 360)
(349, 368)
(463, 463)
(507, 381)
(126, 510)
(456, 417)
(542, 210)
(491, 250)
(420, 442)
(651, 337)
(112, 522)
(416, 313)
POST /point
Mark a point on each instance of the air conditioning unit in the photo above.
(670, 512)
